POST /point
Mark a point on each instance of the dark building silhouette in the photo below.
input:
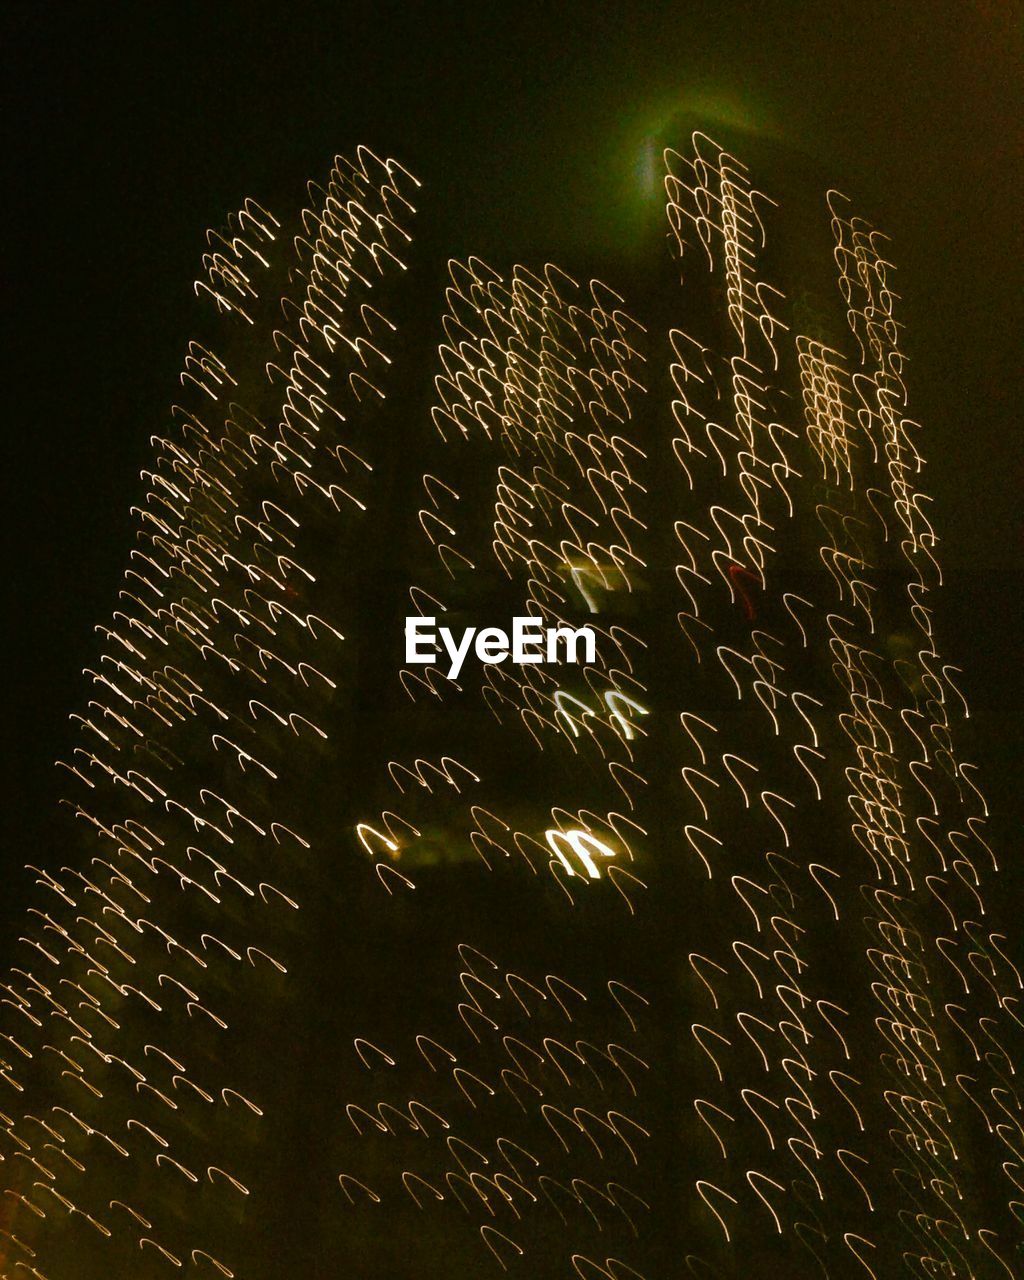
(685, 962)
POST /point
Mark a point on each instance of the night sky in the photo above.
(135, 128)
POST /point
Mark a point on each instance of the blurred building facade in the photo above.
(687, 962)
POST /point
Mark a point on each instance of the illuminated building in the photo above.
(679, 963)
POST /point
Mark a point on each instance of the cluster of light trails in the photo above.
(787, 1051)
(682, 962)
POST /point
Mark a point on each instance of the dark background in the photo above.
(533, 127)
